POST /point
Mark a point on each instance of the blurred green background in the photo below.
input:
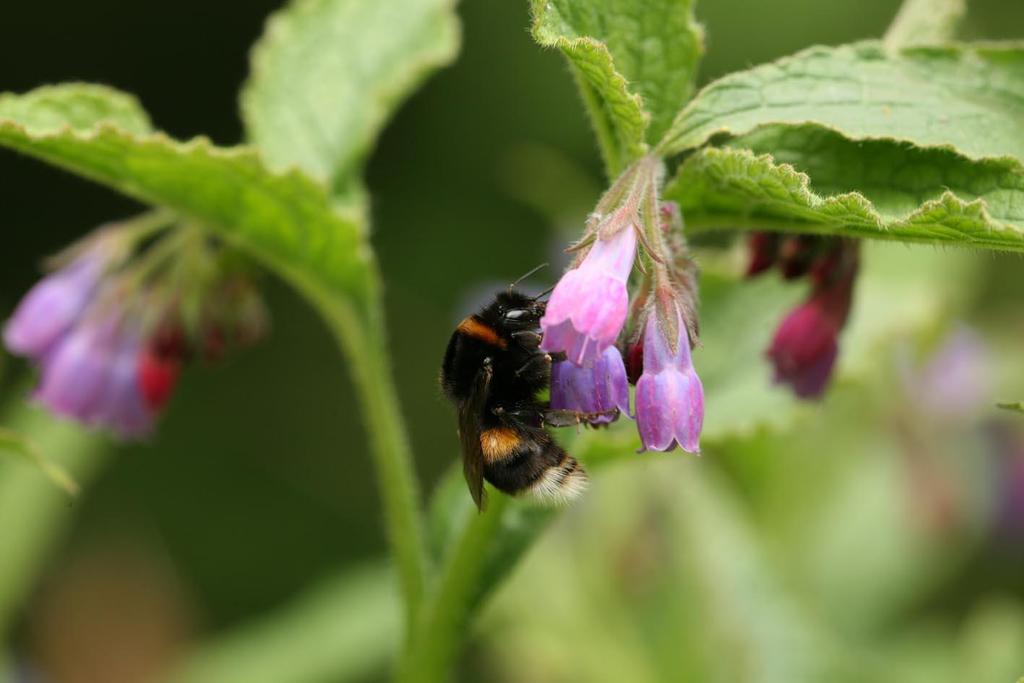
(258, 485)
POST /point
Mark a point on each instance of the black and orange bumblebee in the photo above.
(493, 371)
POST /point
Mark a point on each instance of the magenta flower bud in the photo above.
(764, 252)
(598, 389)
(53, 305)
(806, 344)
(669, 394)
(805, 347)
(589, 304)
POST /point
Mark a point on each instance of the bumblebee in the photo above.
(493, 371)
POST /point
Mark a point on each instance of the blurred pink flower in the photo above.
(56, 303)
(93, 376)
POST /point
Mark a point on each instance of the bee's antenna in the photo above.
(527, 274)
(544, 293)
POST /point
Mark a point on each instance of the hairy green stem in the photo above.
(33, 511)
(604, 130)
(362, 340)
(444, 619)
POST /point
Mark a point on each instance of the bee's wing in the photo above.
(470, 417)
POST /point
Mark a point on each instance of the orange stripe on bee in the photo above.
(472, 327)
(498, 443)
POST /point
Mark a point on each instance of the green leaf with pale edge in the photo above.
(922, 22)
(966, 98)
(12, 443)
(78, 106)
(1014, 406)
(880, 190)
(635, 62)
(285, 219)
(327, 74)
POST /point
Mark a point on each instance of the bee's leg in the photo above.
(534, 359)
(529, 338)
(569, 418)
(533, 417)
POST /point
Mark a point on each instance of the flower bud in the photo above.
(806, 345)
(797, 254)
(56, 303)
(159, 365)
(764, 250)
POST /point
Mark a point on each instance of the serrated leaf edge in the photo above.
(125, 100)
(799, 184)
(197, 144)
(545, 38)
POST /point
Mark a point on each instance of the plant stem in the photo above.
(444, 619)
(33, 511)
(362, 340)
(604, 130)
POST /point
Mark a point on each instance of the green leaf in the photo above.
(12, 443)
(737, 588)
(1013, 406)
(922, 22)
(966, 98)
(635, 64)
(991, 646)
(829, 185)
(328, 74)
(285, 219)
(666, 574)
(346, 629)
(79, 107)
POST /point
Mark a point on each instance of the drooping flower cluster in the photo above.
(108, 329)
(589, 318)
(806, 343)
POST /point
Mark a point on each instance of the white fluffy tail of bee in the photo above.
(560, 484)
